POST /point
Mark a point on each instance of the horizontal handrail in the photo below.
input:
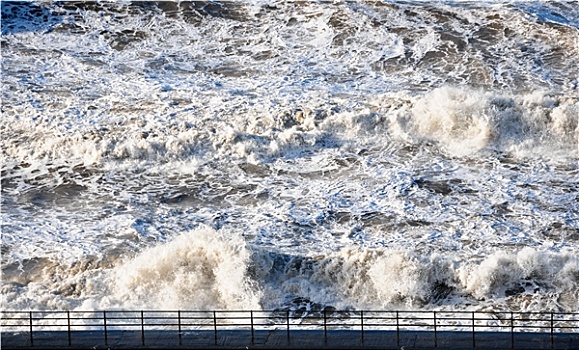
(235, 318)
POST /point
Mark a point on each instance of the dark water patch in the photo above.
(501, 208)
(44, 196)
(121, 39)
(204, 194)
(375, 218)
(232, 70)
(37, 199)
(561, 231)
(118, 9)
(255, 169)
(194, 12)
(417, 223)
(68, 191)
(566, 187)
(242, 189)
(276, 267)
(58, 185)
(441, 291)
(181, 198)
(444, 187)
(300, 307)
(439, 187)
(95, 6)
(26, 16)
(456, 39)
(342, 217)
(26, 270)
(552, 13)
(514, 291)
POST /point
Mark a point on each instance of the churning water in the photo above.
(277, 154)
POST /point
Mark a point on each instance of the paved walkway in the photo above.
(278, 339)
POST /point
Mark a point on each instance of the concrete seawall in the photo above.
(281, 339)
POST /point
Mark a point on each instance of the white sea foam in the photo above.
(325, 148)
(502, 270)
(201, 269)
(209, 269)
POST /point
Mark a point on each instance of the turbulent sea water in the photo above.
(282, 154)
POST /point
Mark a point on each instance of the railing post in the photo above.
(288, 325)
(397, 330)
(362, 324)
(31, 340)
(142, 328)
(552, 342)
(215, 327)
(252, 336)
(325, 328)
(512, 331)
(473, 332)
(435, 335)
(179, 325)
(68, 322)
(105, 327)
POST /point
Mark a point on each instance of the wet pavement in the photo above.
(281, 339)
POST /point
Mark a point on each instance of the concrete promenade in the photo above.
(279, 339)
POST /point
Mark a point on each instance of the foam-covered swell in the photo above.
(94, 83)
(200, 269)
(392, 279)
(209, 269)
(465, 121)
(311, 151)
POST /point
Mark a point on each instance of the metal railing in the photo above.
(324, 321)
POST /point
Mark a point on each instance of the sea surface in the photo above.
(357, 155)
